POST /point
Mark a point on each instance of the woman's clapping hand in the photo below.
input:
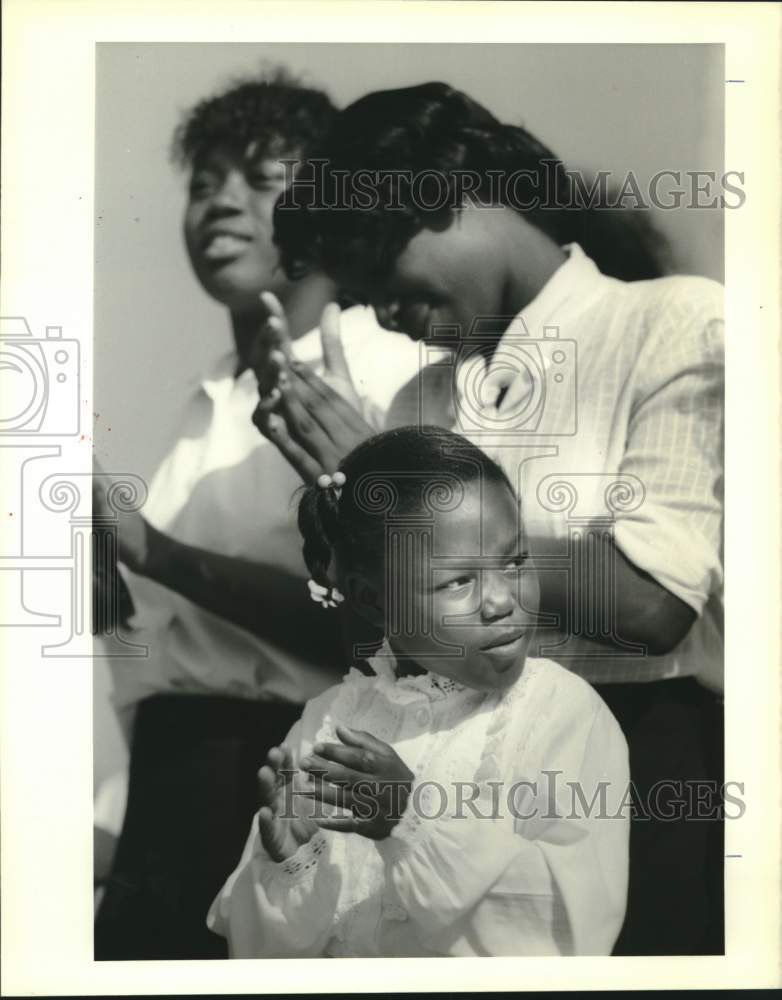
(313, 421)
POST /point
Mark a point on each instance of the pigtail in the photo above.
(318, 548)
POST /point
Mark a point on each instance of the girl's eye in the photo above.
(201, 186)
(457, 584)
(516, 563)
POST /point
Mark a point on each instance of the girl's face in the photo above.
(228, 226)
(446, 277)
(468, 613)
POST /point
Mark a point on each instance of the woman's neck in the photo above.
(303, 304)
(533, 260)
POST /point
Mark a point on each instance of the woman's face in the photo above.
(228, 226)
(447, 277)
(469, 611)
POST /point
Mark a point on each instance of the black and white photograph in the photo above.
(396, 496)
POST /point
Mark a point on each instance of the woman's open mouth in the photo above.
(221, 246)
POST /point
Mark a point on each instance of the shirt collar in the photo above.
(434, 686)
(306, 348)
(221, 370)
(573, 280)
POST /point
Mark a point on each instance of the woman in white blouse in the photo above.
(464, 799)
(602, 397)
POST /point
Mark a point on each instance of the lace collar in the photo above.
(384, 664)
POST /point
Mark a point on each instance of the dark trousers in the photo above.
(191, 798)
(674, 730)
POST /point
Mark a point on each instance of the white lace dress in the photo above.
(514, 841)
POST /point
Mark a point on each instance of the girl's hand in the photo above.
(281, 833)
(362, 774)
(313, 422)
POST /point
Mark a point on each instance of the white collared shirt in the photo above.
(225, 488)
(611, 410)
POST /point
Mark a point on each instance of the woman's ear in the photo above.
(364, 598)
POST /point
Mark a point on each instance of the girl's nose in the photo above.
(498, 597)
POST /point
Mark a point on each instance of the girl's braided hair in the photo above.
(437, 130)
(402, 473)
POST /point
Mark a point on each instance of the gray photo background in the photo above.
(643, 108)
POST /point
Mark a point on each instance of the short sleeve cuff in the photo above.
(671, 558)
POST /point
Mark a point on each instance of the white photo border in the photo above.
(46, 705)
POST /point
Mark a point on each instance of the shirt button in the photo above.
(422, 716)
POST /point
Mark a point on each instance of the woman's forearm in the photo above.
(259, 598)
(604, 598)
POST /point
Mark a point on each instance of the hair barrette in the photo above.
(335, 482)
(327, 597)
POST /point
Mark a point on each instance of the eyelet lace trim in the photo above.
(384, 664)
(432, 685)
(304, 860)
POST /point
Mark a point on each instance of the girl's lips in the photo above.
(503, 650)
(224, 246)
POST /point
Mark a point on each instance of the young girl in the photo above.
(463, 799)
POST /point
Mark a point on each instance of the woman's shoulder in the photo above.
(677, 319)
(679, 297)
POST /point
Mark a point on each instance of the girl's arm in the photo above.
(280, 909)
(285, 909)
(552, 881)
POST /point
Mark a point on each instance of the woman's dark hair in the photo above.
(274, 110)
(402, 473)
(433, 129)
